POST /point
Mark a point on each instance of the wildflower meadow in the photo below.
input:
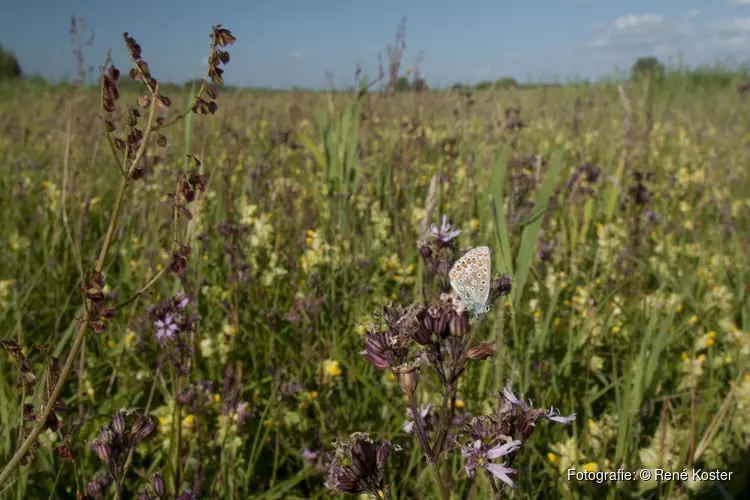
(214, 292)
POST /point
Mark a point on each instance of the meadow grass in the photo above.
(622, 215)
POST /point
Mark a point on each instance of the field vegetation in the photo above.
(198, 304)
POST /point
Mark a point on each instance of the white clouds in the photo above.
(295, 54)
(637, 21)
(734, 25)
(485, 72)
(643, 33)
(730, 34)
(739, 3)
(730, 42)
(598, 43)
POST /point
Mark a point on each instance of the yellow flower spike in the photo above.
(537, 314)
(693, 320)
(158, 267)
(460, 403)
(685, 356)
(217, 398)
(615, 329)
(552, 457)
(680, 308)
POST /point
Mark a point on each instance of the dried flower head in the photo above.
(359, 466)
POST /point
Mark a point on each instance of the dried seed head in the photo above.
(222, 36)
(483, 350)
(408, 377)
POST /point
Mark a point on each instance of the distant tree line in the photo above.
(9, 66)
(417, 84)
(643, 68)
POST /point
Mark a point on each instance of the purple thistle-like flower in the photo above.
(166, 328)
(477, 456)
(444, 234)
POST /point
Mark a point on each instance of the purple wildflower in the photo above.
(552, 414)
(309, 456)
(444, 234)
(181, 300)
(242, 410)
(166, 328)
(409, 424)
(477, 455)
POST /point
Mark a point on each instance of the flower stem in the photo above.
(441, 491)
(78, 341)
(422, 435)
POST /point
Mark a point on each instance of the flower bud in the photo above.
(483, 350)
(102, 451)
(408, 378)
(142, 428)
(500, 286)
(422, 335)
(408, 382)
(157, 483)
(118, 423)
(459, 324)
(440, 324)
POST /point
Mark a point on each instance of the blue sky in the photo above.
(282, 43)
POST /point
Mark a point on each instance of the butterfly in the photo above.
(470, 279)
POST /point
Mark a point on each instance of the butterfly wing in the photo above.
(458, 277)
(481, 275)
(470, 277)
